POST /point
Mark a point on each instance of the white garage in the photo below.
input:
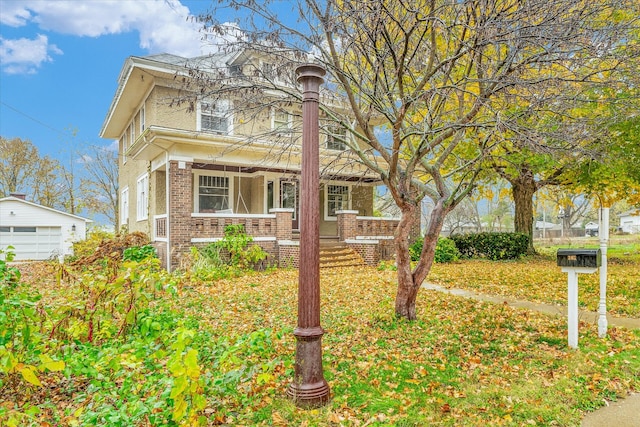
(37, 232)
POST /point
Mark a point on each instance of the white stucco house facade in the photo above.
(38, 232)
(630, 221)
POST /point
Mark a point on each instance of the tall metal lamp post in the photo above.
(309, 388)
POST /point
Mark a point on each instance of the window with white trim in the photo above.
(336, 138)
(142, 118)
(337, 199)
(124, 147)
(213, 193)
(214, 116)
(142, 200)
(281, 121)
(124, 206)
(132, 134)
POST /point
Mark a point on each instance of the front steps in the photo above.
(336, 254)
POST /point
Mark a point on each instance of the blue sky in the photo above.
(60, 61)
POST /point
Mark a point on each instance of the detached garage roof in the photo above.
(36, 231)
(37, 206)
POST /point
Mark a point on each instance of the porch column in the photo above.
(284, 219)
(347, 224)
(180, 207)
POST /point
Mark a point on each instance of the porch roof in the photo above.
(213, 151)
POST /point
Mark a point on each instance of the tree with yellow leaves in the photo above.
(426, 88)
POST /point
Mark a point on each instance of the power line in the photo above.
(34, 119)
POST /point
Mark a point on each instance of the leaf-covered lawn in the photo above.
(540, 280)
(463, 363)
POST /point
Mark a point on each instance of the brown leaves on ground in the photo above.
(540, 280)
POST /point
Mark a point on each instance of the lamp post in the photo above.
(309, 389)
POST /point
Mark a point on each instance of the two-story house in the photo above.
(192, 162)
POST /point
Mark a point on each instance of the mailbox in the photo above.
(590, 258)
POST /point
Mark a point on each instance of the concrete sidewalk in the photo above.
(622, 413)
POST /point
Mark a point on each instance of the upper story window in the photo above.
(142, 211)
(142, 119)
(282, 121)
(336, 138)
(268, 70)
(236, 70)
(132, 134)
(215, 116)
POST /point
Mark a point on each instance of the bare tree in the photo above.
(100, 188)
(422, 87)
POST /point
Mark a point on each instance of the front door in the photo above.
(289, 199)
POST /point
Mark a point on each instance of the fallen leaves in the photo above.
(463, 362)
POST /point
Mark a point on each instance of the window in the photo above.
(235, 70)
(142, 211)
(132, 135)
(124, 207)
(214, 117)
(124, 147)
(268, 70)
(24, 229)
(142, 118)
(337, 199)
(281, 121)
(213, 193)
(5, 229)
(336, 138)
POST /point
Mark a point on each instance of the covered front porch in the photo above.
(193, 202)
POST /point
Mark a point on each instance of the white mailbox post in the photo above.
(574, 262)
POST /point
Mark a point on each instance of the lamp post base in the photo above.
(309, 388)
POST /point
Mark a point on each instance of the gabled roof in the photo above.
(16, 199)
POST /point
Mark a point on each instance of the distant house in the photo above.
(630, 221)
(591, 228)
(37, 232)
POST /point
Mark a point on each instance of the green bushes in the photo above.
(446, 250)
(492, 245)
(227, 257)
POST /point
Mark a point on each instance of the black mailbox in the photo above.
(579, 258)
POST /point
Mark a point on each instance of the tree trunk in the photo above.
(409, 282)
(523, 188)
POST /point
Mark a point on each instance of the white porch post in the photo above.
(604, 239)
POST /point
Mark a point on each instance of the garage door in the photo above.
(32, 242)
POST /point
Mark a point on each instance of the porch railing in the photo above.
(212, 225)
(160, 227)
(370, 226)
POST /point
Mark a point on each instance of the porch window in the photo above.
(213, 193)
(143, 198)
(337, 199)
(336, 138)
(124, 206)
(215, 117)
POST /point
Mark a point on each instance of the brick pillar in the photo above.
(284, 221)
(180, 208)
(347, 225)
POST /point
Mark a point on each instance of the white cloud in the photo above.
(20, 56)
(163, 25)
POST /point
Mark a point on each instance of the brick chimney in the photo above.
(20, 196)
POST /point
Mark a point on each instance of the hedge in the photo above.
(492, 245)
